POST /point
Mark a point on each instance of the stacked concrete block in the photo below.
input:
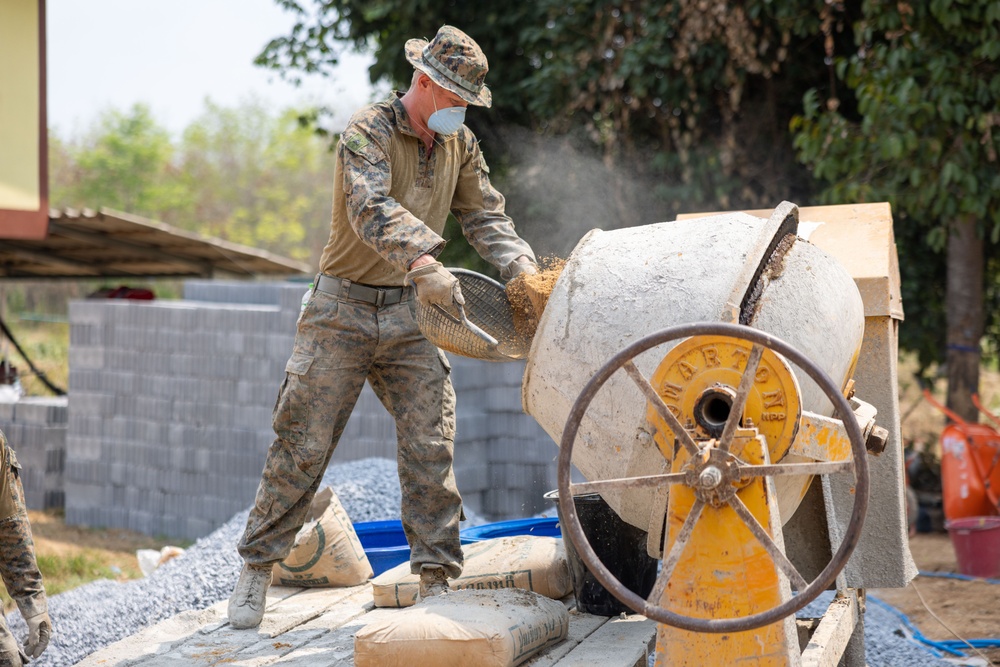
(36, 430)
(170, 412)
(504, 461)
(171, 403)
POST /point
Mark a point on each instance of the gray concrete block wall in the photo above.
(504, 461)
(36, 430)
(168, 420)
(171, 402)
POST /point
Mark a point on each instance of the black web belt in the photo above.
(377, 296)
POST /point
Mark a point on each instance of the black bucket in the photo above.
(619, 545)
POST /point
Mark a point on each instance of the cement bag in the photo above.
(327, 551)
(530, 562)
(462, 628)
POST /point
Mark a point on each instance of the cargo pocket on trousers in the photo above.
(291, 414)
(294, 416)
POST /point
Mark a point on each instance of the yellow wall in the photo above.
(20, 187)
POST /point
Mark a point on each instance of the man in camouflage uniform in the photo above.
(18, 567)
(402, 165)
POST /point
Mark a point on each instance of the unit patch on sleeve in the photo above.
(356, 142)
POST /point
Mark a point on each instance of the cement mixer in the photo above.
(699, 374)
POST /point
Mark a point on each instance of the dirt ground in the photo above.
(969, 608)
(52, 536)
(70, 556)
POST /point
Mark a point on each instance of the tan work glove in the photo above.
(522, 265)
(39, 632)
(436, 286)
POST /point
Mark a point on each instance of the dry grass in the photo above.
(69, 556)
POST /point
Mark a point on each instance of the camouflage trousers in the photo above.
(11, 654)
(339, 344)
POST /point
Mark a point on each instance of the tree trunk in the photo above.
(964, 310)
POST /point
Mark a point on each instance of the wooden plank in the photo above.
(621, 641)
(156, 639)
(830, 639)
(226, 646)
(581, 626)
(274, 595)
(296, 610)
(335, 648)
(284, 628)
(347, 607)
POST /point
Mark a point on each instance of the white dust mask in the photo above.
(446, 121)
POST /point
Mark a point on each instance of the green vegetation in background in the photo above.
(695, 100)
(685, 105)
(924, 134)
(698, 97)
(243, 174)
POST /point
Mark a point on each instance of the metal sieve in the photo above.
(487, 309)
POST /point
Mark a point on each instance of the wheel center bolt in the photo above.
(710, 477)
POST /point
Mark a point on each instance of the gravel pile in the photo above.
(887, 644)
(95, 615)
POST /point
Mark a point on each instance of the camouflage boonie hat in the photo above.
(454, 61)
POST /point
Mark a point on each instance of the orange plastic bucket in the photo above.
(977, 545)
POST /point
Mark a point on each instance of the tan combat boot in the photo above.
(433, 581)
(246, 604)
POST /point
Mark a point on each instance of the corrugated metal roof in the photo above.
(89, 244)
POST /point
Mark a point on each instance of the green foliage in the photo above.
(257, 179)
(687, 98)
(123, 164)
(926, 77)
(244, 174)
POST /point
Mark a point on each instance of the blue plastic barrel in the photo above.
(384, 543)
(546, 527)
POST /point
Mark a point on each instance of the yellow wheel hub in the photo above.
(698, 378)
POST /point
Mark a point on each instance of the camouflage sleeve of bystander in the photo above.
(18, 565)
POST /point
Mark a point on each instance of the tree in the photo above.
(123, 163)
(926, 77)
(245, 174)
(685, 102)
(257, 178)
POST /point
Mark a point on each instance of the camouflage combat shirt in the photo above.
(18, 565)
(391, 199)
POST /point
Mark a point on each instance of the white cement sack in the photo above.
(498, 628)
(327, 551)
(151, 559)
(528, 562)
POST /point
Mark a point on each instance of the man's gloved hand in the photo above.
(436, 286)
(522, 265)
(39, 632)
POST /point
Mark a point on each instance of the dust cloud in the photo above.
(558, 189)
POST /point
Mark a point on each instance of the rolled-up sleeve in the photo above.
(379, 220)
(479, 209)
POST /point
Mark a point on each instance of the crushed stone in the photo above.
(95, 615)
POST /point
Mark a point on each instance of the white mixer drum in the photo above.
(620, 286)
